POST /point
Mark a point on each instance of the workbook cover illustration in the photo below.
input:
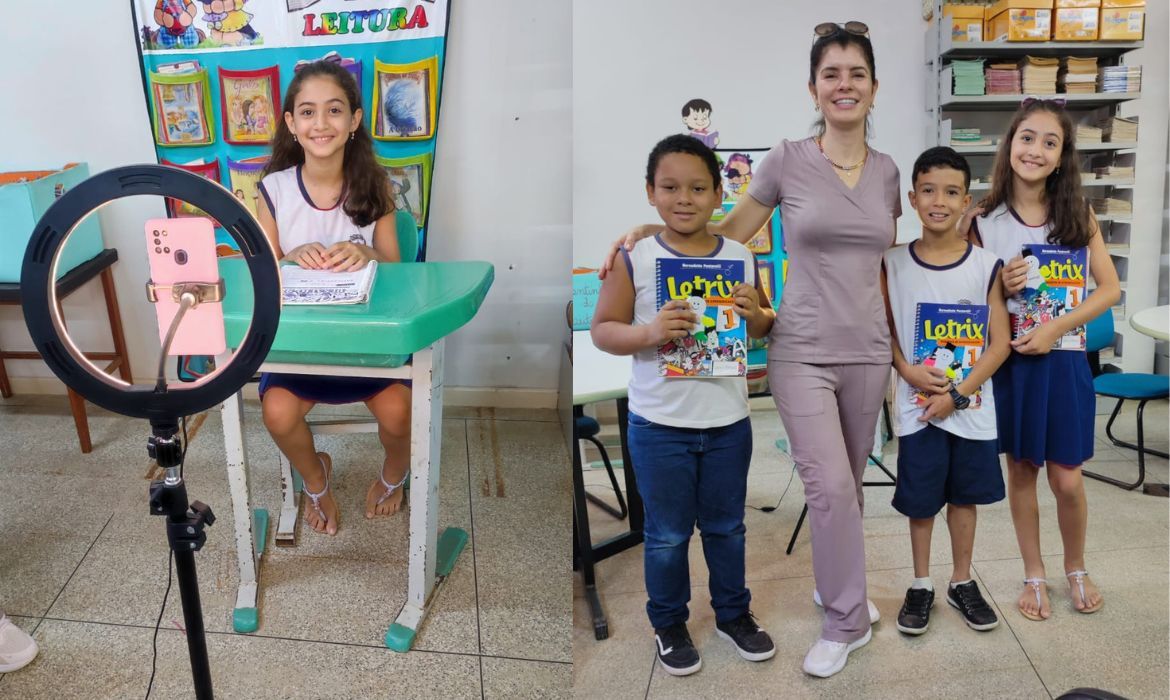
(950, 337)
(1055, 286)
(717, 345)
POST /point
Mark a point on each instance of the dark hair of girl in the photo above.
(367, 186)
(1068, 210)
(843, 39)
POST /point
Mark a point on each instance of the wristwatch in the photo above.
(961, 401)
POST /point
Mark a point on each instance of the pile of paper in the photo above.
(1078, 76)
(1002, 79)
(1115, 172)
(970, 137)
(1121, 79)
(1111, 206)
(1088, 134)
(1120, 129)
(968, 77)
(1039, 75)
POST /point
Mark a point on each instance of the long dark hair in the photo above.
(843, 39)
(1068, 211)
(367, 186)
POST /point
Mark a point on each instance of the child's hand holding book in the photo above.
(674, 320)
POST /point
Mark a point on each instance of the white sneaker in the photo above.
(874, 615)
(17, 649)
(826, 658)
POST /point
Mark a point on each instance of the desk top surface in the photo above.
(411, 306)
(597, 375)
(1153, 322)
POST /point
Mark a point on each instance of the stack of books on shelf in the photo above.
(1121, 79)
(1088, 134)
(1078, 76)
(1117, 172)
(968, 77)
(1111, 206)
(1120, 129)
(1039, 75)
(1002, 79)
(970, 137)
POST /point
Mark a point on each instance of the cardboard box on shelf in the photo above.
(1076, 24)
(1018, 20)
(966, 22)
(1122, 20)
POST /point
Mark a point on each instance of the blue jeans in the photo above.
(688, 476)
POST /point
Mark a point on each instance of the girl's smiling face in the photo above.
(1037, 146)
(321, 119)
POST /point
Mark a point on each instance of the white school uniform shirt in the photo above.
(709, 402)
(300, 221)
(910, 281)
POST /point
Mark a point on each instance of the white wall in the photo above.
(505, 114)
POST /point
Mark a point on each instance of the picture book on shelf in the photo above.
(301, 286)
(1056, 285)
(717, 345)
(951, 337)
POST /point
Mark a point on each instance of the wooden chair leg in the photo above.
(5, 386)
(116, 325)
(77, 405)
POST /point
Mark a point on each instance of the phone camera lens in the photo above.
(158, 250)
(181, 257)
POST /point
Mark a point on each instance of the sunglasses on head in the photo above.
(1056, 101)
(853, 27)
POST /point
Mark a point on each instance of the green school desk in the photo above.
(413, 307)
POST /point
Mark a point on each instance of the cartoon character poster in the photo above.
(950, 337)
(696, 117)
(185, 24)
(180, 110)
(717, 345)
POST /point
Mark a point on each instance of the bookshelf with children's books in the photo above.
(973, 88)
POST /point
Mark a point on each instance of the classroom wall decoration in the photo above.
(214, 74)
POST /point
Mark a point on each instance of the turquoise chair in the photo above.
(407, 235)
(1123, 386)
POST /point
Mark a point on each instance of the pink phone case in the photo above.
(183, 250)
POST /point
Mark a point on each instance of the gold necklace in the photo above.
(845, 168)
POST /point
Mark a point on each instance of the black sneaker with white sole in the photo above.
(967, 599)
(749, 639)
(676, 651)
(914, 617)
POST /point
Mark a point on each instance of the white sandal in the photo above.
(391, 488)
(315, 498)
(1078, 577)
(1034, 584)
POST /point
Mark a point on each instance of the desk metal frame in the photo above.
(431, 557)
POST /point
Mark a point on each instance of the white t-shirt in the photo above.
(300, 221)
(911, 281)
(680, 402)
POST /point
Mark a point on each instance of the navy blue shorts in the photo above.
(936, 467)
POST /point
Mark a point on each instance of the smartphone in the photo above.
(183, 250)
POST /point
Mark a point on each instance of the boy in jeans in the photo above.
(690, 438)
(945, 410)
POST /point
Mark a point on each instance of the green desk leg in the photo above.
(246, 620)
(448, 547)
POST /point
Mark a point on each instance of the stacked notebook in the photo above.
(1088, 134)
(1078, 76)
(1039, 75)
(1002, 79)
(1121, 79)
(970, 137)
(1120, 129)
(1111, 206)
(968, 77)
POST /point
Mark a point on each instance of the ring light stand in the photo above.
(162, 407)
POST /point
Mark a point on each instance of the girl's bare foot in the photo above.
(1086, 598)
(321, 510)
(385, 496)
(1033, 602)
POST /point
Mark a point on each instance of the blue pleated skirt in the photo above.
(1045, 407)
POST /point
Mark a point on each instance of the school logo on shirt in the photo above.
(357, 238)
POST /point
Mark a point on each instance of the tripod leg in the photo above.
(796, 530)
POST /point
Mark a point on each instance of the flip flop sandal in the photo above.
(315, 498)
(391, 488)
(1034, 584)
(1078, 577)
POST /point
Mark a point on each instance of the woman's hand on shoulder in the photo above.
(969, 216)
(628, 241)
(311, 256)
(347, 256)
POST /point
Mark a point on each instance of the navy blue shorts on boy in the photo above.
(936, 467)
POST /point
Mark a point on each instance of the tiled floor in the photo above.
(1122, 648)
(83, 566)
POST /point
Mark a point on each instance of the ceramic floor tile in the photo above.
(618, 667)
(512, 679)
(81, 660)
(520, 493)
(34, 567)
(1121, 648)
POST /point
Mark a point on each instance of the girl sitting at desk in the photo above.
(327, 206)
